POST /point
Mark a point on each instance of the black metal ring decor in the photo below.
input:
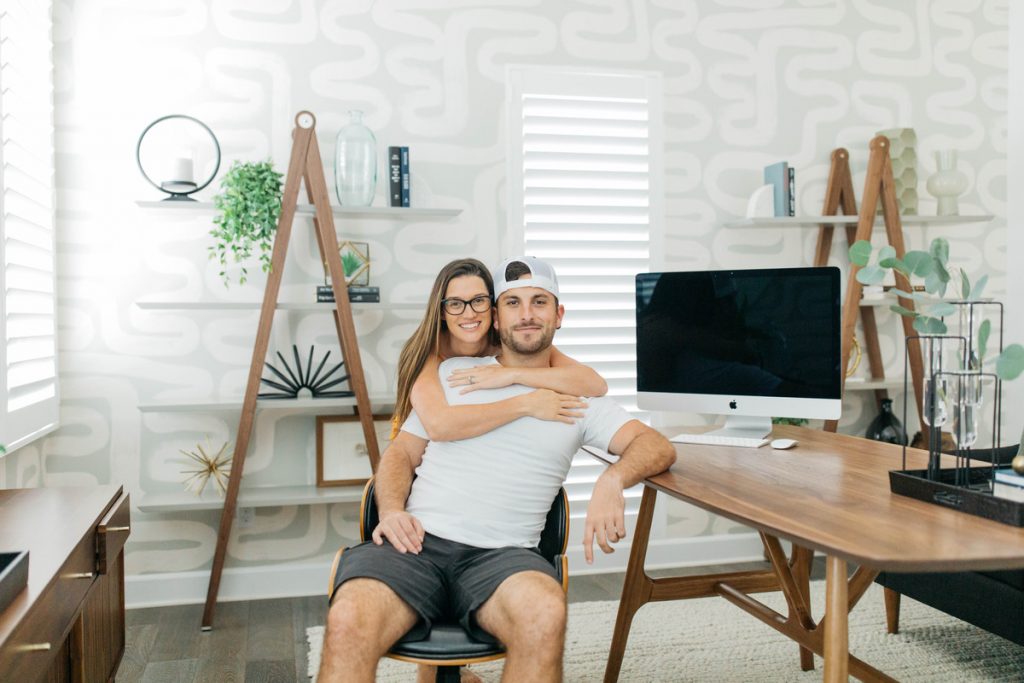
(179, 189)
(293, 381)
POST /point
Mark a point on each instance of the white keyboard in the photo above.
(715, 440)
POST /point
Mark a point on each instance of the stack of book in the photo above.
(363, 295)
(398, 175)
(782, 178)
(1009, 485)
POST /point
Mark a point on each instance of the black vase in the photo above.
(886, 427)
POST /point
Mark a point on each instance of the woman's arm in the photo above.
(565, 376)
(445, 422)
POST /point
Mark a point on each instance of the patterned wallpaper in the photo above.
(747, 83)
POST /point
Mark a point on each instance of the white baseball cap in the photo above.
(542, 275)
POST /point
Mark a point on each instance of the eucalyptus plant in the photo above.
(248, 206)
(931, 307)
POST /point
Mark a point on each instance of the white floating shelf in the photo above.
(252, 497)
(856, 384)
(358, 306)
(309, 210)
(803, 221)
(279, 403)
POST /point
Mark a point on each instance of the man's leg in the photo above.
(527, 612)
(365, 619)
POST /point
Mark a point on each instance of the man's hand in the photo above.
(403, 531)
(606, 516)
(493, 376)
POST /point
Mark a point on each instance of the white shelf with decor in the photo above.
(402, 212)
(815, 221)
(262, 403)
(281, 306)
(863, 384)
(251, 497)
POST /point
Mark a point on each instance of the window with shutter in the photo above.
(28, 357)
(584, 194)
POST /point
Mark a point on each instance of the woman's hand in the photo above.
(545, 404)
(491, 376)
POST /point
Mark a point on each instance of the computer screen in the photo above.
(763, 342)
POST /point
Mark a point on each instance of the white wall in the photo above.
(746, 84)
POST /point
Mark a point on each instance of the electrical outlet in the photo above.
(245, 517)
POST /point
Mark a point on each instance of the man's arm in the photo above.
(393, 483)
(643, 452)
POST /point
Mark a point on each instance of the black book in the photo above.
(324, 294)
(405, 175)
(395, 176)
(792, 191)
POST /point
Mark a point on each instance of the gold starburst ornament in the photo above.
(216, 468)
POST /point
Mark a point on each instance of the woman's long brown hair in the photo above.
(426, 340)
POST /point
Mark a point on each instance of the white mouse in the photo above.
(782, 443)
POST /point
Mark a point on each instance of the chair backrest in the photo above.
(553, 539)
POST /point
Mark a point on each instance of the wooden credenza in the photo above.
(68, 623)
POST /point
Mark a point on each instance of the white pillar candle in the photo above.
(181, 170)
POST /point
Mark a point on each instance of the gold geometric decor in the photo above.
(208, 467)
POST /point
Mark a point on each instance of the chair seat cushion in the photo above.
(446, 642)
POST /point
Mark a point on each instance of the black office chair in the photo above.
(991, 600)
(447, 645)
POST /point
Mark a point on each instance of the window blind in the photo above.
(28, 359)
(584, 152)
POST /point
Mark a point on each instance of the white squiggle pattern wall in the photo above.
(747, 83)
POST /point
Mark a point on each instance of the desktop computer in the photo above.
(746, 344)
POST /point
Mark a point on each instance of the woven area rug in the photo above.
(712, 640)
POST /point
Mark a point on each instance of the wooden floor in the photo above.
(265, 640)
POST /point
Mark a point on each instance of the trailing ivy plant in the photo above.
(932, 266)
(248, 206)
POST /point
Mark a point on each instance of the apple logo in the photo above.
(732, 404)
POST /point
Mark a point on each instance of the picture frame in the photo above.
(355, 261)
(341, 455)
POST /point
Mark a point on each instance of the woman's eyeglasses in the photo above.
(453, 306)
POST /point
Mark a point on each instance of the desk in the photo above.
(67, 624)
(830, 494)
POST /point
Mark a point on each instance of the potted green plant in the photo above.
(930, 306)
(248, 206)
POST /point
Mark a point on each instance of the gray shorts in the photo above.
(446, 581)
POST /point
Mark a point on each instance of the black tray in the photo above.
(913, 483)
(13, 576)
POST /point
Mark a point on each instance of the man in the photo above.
(461, 539)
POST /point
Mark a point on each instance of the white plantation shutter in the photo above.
(584, 195)
(28, 357)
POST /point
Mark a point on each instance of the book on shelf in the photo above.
(364, 295)
(394, 176)
(404, 163)
(777, 175)
(791, 178)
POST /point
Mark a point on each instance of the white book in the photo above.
(1008, 476)
(1008, 492)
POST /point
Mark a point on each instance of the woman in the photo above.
(458, 322)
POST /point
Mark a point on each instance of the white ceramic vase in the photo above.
(947, 183)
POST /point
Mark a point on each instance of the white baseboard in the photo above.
(291, 580)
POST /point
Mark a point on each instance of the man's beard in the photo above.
(542, 342)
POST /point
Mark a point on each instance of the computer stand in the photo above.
(744, 427)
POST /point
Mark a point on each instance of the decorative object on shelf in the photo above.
(355, 162)
(886, 426)
(248, 206)
(1017, 464)
(777, 175)
(851, 367)
(762, 202)
(341, 455)
(216, 468)
(947, 183)
(173, 147)
(356, 294)
(355, 260)
(903, 156)
(294, 381)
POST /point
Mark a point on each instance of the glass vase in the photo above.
(965, 408)
(355, 163)
(935, 382)
(886, 426)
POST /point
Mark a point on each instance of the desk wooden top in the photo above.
(831, 493)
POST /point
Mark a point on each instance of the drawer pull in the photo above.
(33, 647)
(80, 575)
(111, 529)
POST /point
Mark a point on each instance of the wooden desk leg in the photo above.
(836, 621)
(636, 588)
(802, 559)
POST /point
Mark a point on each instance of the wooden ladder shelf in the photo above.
(839, 197)
(304, 165)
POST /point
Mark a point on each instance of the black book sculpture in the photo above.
(293, 381)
